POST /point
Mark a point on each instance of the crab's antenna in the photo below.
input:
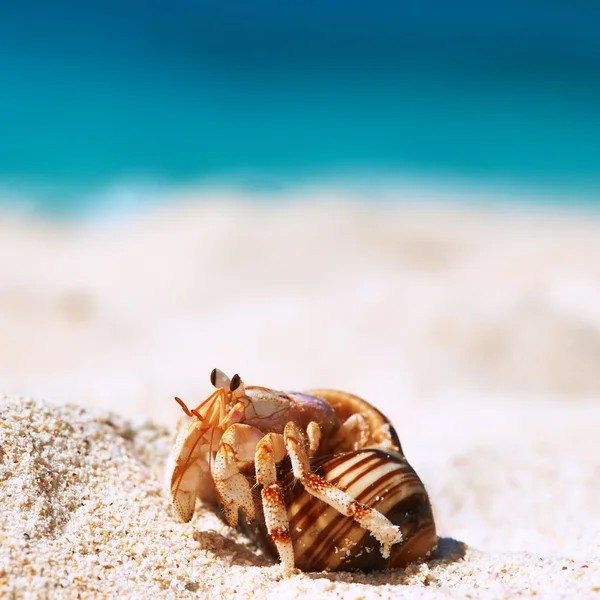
(194, 411)
(183, 405)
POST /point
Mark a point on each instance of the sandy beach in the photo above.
(475, 330)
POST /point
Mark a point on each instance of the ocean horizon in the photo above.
(112, 102)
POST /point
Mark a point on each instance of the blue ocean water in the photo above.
(98, 92)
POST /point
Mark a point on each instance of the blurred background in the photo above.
(395, 198)
(116, 101)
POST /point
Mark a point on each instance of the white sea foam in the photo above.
(127, 197)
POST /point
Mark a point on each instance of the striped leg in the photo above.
(369, 518)
(270, 450)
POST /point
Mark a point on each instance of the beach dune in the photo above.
(475, 330)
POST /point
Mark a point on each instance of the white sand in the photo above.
(477, 332)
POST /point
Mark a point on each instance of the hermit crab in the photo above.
(318, 478)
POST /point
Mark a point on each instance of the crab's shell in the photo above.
(379, 476)
(324, 539)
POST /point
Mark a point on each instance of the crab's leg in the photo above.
(354, 432)
(369, 518)
(238, 444)
(313, 431)
(270, 450)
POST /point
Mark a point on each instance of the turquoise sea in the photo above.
(97, 96)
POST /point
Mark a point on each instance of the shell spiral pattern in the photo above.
(324, 539)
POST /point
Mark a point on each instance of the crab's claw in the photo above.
(188, 472)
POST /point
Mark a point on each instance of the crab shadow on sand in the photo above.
(448, 551)
(239, 554)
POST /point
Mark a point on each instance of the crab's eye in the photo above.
(219, 379)
(235, 382)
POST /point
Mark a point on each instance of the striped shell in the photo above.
(380, 477)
